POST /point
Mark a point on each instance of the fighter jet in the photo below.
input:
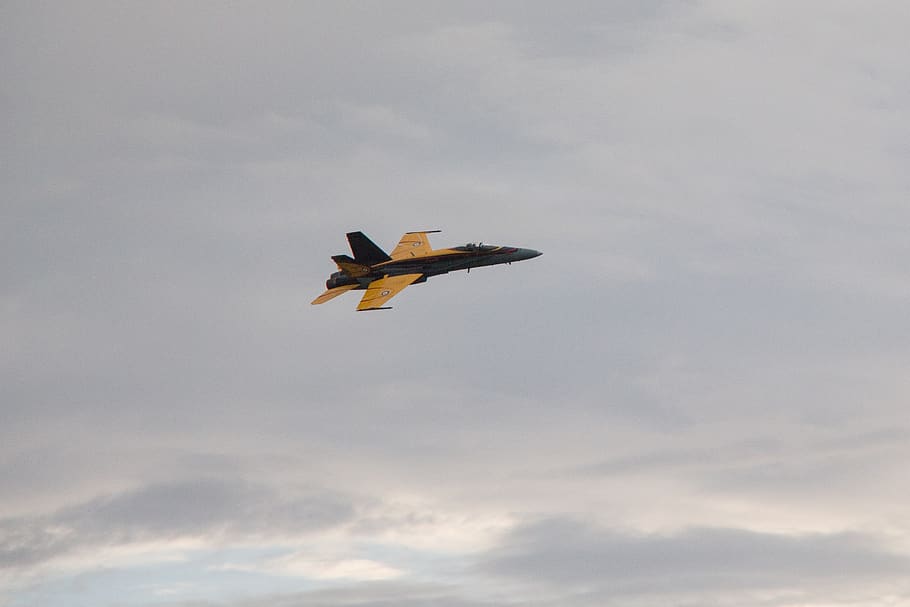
(384, 276)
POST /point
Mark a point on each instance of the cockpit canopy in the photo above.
(475, 248)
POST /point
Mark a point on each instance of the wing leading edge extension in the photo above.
(384, 289)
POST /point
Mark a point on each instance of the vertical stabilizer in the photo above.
(365, 250)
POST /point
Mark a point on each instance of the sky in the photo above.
(697, 396)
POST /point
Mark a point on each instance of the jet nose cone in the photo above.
(528, 254)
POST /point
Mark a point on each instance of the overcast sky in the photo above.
(698, 395)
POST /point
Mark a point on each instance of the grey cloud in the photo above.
(812, 450)
(205, 507)
(674, 459)
(372, 594)
(843, 467)
(568, 554)
(194, 507)
(386, 594)
(563, 561)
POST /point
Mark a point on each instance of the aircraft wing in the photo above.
(384, 289)
(413, 244)
(332, 293)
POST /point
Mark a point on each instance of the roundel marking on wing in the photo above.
(385, 292)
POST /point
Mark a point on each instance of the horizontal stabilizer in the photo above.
(350, 267)
(332, 294)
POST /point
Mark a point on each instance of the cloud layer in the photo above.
(696, 396)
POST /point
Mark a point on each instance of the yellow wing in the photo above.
(413, 244)
(384, 289)
(332, 293)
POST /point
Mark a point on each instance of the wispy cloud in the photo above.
(208, 509)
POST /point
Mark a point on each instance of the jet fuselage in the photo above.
(384, 275)
(438, 262)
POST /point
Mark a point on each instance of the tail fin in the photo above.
(365, 250)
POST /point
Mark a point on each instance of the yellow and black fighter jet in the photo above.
(383, 276)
